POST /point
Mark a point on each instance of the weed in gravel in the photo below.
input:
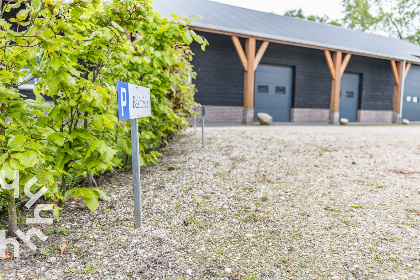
(49, 230)
(63, 230)
(21, 218)
(264, 198)
(252, 218)
(250, 189)
(221, 175)
(216, 164)
(88, 268)
(45, 252)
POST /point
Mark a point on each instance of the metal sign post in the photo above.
(136, 171)
(134, 103)
(203, 114)
(194, 125)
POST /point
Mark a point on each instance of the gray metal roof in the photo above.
(231, 19)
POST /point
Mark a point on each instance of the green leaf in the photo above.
(117, 26)
(100, 194)
(92, 203)
(28, 159)
(57, 138)
(56, 211)
(16, 165)
(87, 193)
(91, 149)
(110, 120)
(56, 63)
(69, 193)
(22, 14)
(17, 142)
(36, 4)
(98, 121)
(142, 162)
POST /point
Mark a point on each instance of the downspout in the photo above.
(402, 91)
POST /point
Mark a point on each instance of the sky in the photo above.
(331, 8)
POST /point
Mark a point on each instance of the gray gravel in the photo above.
(281, 202)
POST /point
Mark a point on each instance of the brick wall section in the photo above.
(221, 114)
(308, 115)
(373, 116)
(248, 116)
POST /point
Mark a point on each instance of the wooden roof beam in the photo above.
(396, 72)
(330, 63)
(346, 61)
(240, 52)
(407, 69)
(260, 54)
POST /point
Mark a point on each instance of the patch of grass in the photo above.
(50, 230)
(216, 164)
(250, 189)
(88, 268)
(46, 252)
(63, 230)
(221, 175)
(357, 206)
(252, 218)
(264, 198)
(196, 222)
(322, 148)
(379, 186)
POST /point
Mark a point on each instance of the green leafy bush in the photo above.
(78, 51)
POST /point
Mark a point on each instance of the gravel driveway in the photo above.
(280, 202)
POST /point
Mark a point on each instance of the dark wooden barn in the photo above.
(296, 70)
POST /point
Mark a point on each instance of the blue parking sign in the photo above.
(123, 101)
(133, 101)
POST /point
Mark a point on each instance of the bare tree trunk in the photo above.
(11, 207)
(91, 180)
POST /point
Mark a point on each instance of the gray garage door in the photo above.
(349, 98)
(411, 102)
(273, 92)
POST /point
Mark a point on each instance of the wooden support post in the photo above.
(397, 70)
(337, 66)
(250, 60)
(249, 82)
(335, 88)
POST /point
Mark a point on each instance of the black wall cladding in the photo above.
(220, 75)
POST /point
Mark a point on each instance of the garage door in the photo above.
(411, 102)
(273, 92)
(349, 98)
